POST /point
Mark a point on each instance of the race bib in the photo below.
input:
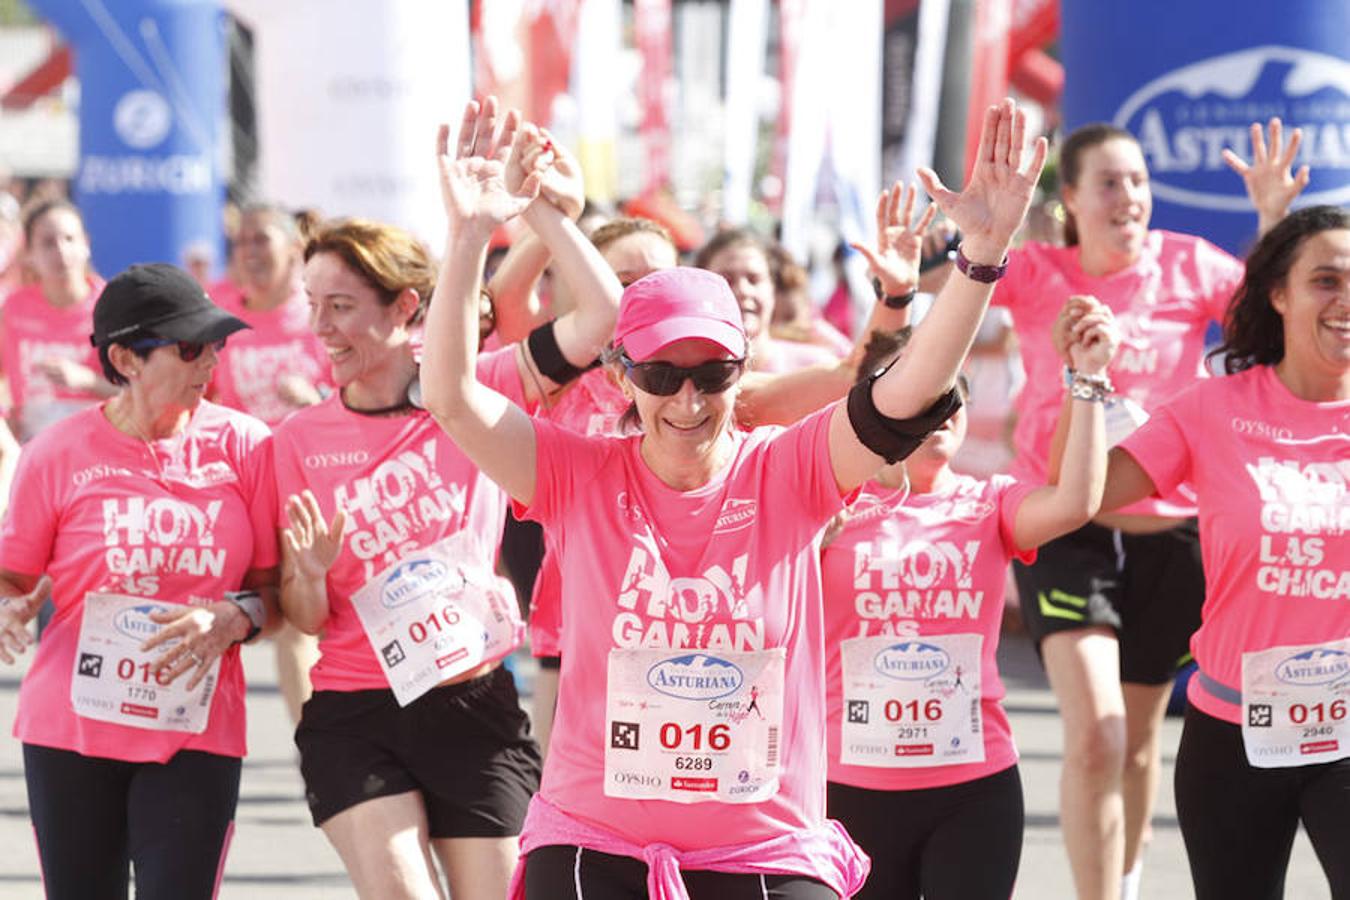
(438, 613)
(114, 680)
(693, 725)
(1296, 705)
(912, 702)
(1123, 418)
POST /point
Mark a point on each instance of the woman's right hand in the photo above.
(991, 207)
(1093, 340)
(895, 261)
(1061, 332)
(16, 612)
(313, 542)
(476, 189)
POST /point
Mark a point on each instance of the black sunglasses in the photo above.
(188, 351)
(664, 379)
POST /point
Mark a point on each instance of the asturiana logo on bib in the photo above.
(411, 579)
(1185, 118)
(911, 661)
(696, 676)
(136, 623)
(1317, 666)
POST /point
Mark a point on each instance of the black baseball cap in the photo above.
(161, 300)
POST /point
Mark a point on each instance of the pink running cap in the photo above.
(676, 304)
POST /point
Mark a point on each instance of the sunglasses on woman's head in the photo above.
(188, 351)
(664, 379)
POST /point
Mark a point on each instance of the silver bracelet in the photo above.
(1093, 388)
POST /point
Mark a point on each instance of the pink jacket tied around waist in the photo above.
(825, 853)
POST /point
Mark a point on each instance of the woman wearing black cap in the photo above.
(148, 519)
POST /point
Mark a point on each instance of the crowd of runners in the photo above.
(766, 604)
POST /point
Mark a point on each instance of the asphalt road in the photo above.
(278, 855)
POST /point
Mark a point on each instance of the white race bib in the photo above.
(1296, 705)
(911, 702)
(114, 680)
(438, 613)
(693, 725)
(1123, 418)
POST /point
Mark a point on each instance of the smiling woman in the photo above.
(148, 516)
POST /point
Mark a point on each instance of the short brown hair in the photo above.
(388, 258)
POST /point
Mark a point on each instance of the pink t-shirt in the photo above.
(917, 566)
(278, 344)
(591, 407)
(1272, 473)
(94, 510)
(1163, 304)
(748, 546)
(34, 330)
(404, 485)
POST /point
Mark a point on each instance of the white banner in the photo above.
(348, 101)
(747, 46)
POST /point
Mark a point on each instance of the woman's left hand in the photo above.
(476, 183)
(195, 636)
(1093, 340)
(895, 261)
(1271, 182)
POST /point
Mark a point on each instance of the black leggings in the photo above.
(571, 873)
(1239, 821)
(961, 842)
(171, 822)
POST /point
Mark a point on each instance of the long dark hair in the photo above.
(1071, 153)
(1253, 331)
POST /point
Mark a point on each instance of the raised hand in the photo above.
(562, 183)
(1093, 340)
(1061, 332)
(991, 207)
(15, 614)
(313, 542)
(895, 260)
(475, 187)
(1271, 182)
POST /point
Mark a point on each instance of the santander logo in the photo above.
(1185, 118)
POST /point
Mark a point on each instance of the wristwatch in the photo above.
(981, 273)
(250, 603)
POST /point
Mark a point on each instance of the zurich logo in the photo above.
(696, 676)
(142, 119)
(1316, 666)
(412, 580)
(1185, 118)
(135, 622)
(911, 661)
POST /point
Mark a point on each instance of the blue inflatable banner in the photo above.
(152, 79)
(1187, 79)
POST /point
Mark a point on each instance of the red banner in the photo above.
(989, 69)
(653, 25)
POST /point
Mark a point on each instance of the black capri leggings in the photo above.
(1239, 821)
(571, 873)
(961, 842)
(170, 821)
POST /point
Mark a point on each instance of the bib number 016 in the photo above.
(928, 711)
(695, 737)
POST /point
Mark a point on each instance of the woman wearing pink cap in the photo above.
(1266, 744)
(692, 692)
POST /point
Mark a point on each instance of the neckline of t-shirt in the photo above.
(719, 480)
(1274, 383)
(1147, 261)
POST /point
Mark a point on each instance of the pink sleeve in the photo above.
(1009, 494)
(261, 495)
(565, 464)
(29, 530)
(799, 460)
(287, 478)
(1009, 289)
(1220, 274)
(1160, 445)
(499, 370)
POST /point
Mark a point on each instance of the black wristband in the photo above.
(893, 301)
(894, 439)
(548, 356)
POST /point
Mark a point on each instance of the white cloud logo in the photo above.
(1186, 117)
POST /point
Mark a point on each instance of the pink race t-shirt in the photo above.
(916, 566)
(592, 407)
(1272, 473)
(277, 345)
(789, 356)
(1163, 305)
(403, 484)
(181, 520)
(731, 566)
(34, 331)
